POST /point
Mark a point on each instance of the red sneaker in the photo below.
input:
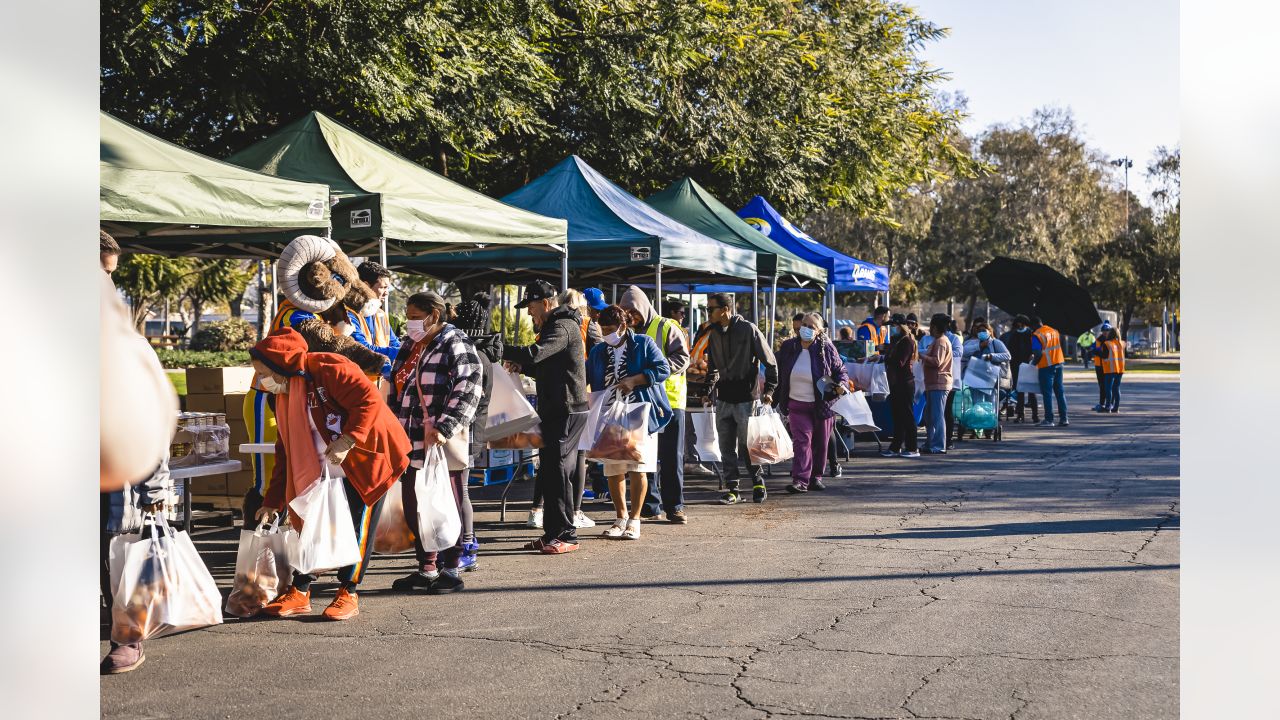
(345, 606)
(292, 602)
(558, 547)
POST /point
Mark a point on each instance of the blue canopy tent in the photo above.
(844, 273)
(613, 236)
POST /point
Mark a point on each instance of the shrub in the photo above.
(176, 359)
(225, 336)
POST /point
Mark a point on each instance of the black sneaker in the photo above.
(816, 484)
(1063, 423)
(758, 494)
(446, 583)
(795, 489)
(837, 472)
(413, 581)
(729, 498)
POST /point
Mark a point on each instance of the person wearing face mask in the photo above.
(629, 367)
(902, 354)
(371, 326)
(327, 412)
(1047, 356)
(937, 366)
(557, 361)
(984, 346)
(436, 386)
(1111, 352)
(811, 376)
(1018, 343)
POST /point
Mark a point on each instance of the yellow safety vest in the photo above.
(1051, 346)
(677, 385)
(1113, 363)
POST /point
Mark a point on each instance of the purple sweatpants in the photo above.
(810, 435)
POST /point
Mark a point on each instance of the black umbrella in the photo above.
(1029, 288)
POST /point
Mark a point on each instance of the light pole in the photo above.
(1125, 163)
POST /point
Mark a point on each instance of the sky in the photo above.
(1114, 63)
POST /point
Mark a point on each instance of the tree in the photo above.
(213, 282)
(150, 279)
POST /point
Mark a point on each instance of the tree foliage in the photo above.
(813, 104)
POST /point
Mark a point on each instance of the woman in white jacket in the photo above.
(983, 344)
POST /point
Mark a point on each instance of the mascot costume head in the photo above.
(319, 279)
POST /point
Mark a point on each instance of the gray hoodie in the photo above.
(674, 346)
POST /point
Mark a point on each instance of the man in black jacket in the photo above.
(1018, 341)
(557, 362)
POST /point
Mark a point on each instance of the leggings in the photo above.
(467, 512)
(365, 518)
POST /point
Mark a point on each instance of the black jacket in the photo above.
(1019, 345)
(557, 361)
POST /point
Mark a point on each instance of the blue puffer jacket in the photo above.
(643, 357)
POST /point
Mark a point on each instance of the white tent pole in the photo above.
(564, 269)
(831, 304)
(773, 310)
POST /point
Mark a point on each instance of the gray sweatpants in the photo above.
(731, 426)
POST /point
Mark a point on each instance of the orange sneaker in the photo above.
(292, 602)
(345, 606)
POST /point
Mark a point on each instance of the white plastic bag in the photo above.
(439, 525)
(869, 377)
(260, 576)
(327, 539)
(159, 584)
(595, 401)
(706, 437)
(393, 534)
(1028, 378)
(509, 409)
(981, 374)
(768, 441)
(917, 371)
(621, 432)
(853, 407)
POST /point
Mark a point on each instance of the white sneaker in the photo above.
(582, 521)
(615, 530)
(535, 519)
(909, 454)
(633, 530)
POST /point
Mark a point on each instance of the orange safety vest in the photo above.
(699, 350)
(1113, 363)
(1051, 346)
(1097, 359)
(380, 334)
(879, 335)
(586, 324)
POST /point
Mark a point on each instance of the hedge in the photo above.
(175, 359)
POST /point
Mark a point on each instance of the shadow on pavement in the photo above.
(1062, 527)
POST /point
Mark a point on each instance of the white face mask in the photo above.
(346, 328)
(370, 308)
(613, 339)
(415, 330)
(807, 333)
(271, 385)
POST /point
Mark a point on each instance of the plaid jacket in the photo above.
(451, 380)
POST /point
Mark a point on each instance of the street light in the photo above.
(1125, 163)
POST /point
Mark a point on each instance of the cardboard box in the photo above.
(233, 406)
(205, 402)
(219, 381)
(238, 483)
(239, 435)
(208, 485)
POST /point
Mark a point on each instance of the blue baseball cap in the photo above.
(595, 298)
(1106, 324)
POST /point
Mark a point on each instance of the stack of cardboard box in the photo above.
(222, 390)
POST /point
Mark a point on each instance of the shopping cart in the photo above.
(977, 411)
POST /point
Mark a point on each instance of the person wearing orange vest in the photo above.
(1046, 354)
(1095, 351)
(875, 330)
(1112, 355)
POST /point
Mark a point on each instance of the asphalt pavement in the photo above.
(1035, 577)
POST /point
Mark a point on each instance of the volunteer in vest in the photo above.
(1046, 354)
(374, 329)
(436, 388)
(328, 412)
(874, 330)
(811, 376)
(1112, 356)
(629, 367)
(1095, 350)
(735, 351)
(666, 494)
(1084, 346)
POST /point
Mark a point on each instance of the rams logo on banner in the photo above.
(759, 224)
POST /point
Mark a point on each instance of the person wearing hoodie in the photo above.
(811, 377)
(557, 361)
(666, 495)
(936, 362)
(629, 367)
(473, 319)
(327, 412)
(735, 351)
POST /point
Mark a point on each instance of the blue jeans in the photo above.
(1111, 387)
(935, 412)
(1050, 388)
(666, 491)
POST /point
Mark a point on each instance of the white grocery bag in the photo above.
(327, 539)
(768, 441)
(159, 584)
(1028, 378)
(853, 407)
(595, 401)
(706, 438)
(439, 525)
(870, 377)
(917, 371)
(509, 409)
(259, 577)
(981, 374)
(393, 534)
(956, 364)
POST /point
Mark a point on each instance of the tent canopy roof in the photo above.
(687, 201)
(846, 274)
(156, 196)
(381, 194)
(612, 236)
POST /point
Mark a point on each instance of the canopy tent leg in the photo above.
(831, 305)
(382, 260)
(773, 310)
(755, 301)
(502, 316)
(657, 289)
(615, 295)
(564, 269)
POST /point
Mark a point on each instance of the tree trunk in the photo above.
(197, 309)
(969, 305)
(1125, 317)
(234, 305)
(443, 158)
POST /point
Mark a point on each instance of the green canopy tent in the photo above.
(157, 197)
(388, 202)
(613, 237)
